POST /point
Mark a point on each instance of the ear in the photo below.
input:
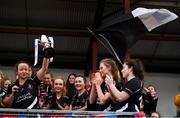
(17, 76)
(109, 68)
(131, 68)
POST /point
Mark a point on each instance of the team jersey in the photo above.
(79, 101)
(150, 103)
(71, 91)
(63, 101)
(99, 105)
(26, 97)
(132, 104)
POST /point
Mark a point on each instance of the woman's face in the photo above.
(7, 83)
(71, 79)
(48, 79)
(104, 70)
(58, 85)
(23, 71)
(154, 115)
(125, 71)
(152, 90)
(79, 83)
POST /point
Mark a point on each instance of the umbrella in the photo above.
(121, 33)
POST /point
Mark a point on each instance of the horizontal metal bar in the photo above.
(10, 110)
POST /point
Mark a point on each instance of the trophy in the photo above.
(48, 45)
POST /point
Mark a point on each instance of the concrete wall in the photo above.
(167, 86)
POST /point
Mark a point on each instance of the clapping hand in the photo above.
(109, 80)
(97, 79)
(15, 89)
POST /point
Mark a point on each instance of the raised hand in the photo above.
(15, 89)
(109, 80)
(98, 79)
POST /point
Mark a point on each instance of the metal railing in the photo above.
(25, 113)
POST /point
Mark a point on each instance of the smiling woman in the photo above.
(25, 85)
(99, 94)
(79, 101)
(59, 100)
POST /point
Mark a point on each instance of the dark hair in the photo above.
(67, 82)
(150, 85)
(84, 78)
(156, 113)
(138, 67)
(22, 61)
(50, 73)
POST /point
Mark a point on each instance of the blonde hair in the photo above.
(114, 67)
(4, 79)
(64, 84)
(1, 75)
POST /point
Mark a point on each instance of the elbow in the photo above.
(91, 101)
(119, 99)
(7, 103)
(70, 107)
(66, 108)
(85, 108)
(104, 101)
(92, 98)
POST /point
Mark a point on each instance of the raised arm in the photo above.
(103, 97)
(93, 95)
(42, 71)
(118, 95)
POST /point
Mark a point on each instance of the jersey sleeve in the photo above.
(133, 86)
